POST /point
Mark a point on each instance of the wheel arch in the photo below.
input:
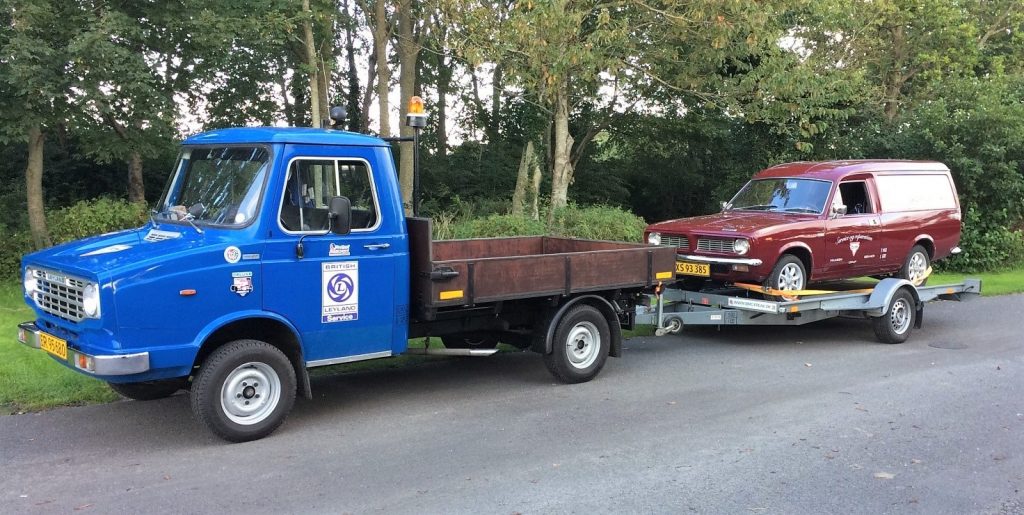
(886, 289)
(265, 327)
(603, 305)
(925, 241)
(802, 252)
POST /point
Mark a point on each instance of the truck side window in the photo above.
(354, 181)
(855, 195)
(311, 184)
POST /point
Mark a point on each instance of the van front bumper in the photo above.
(105, 365)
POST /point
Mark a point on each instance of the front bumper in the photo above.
(109, 365)
(720, 260)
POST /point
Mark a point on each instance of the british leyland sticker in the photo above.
(340, 292)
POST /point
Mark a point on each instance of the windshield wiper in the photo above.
(765, 207)
(800, 210)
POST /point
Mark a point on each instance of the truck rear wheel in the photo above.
(149, 390)
(244, 390)
(580, 346)
(898, 321)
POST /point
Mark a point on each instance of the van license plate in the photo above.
(698, 269)
(53, 345)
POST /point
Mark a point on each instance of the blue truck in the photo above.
(276, 250)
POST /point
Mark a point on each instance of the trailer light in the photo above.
(654, 238)
(741, 246)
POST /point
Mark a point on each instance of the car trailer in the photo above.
(895, 306)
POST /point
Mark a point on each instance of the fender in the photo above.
(606, 308)
(886, 289)
(237, 316)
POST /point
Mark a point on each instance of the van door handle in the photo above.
(377, 246)
(874, 221)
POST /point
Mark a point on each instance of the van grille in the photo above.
(676, 241)
(59, 295)
(715, 245)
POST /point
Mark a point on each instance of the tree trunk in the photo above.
(497, 86)
(561, 173)
(355, 114)
(312, 65)
(522, 180)
(364, 106)
(380, 40)
(534, 192)
(136, 189)
(444, 78)
(34, 188)
(408, 54)
(324, 75)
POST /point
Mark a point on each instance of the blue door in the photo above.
(337, 290)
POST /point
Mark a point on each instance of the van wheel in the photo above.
(244, 390)
(915, 266)
(470, 341)
(898, 321)
(580, 347)
(149, 390)
(789, 274)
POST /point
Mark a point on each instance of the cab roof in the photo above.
(297, 135)
(837, 169)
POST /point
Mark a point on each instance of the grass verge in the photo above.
(992, 283)
(29, 379)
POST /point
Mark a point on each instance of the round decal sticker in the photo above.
(340, 287)
(232, 254)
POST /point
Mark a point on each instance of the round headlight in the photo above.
(654, 238)
(91, 300)
(31, 283)
(741, 246)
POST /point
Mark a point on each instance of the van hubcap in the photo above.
(790, 278)
(917, 267)
(250, 393)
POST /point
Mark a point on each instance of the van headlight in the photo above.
(91, 300)
(741, 246)
(654, 238)
(31, 283)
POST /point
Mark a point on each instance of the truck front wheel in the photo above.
(580, 347)
(149, 390)
(244, 390)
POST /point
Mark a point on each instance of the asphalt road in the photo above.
(743, 420)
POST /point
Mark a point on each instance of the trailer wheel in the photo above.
(580, 346)
(244, 390)
(470, 341)
(898, 321)
(149, 390)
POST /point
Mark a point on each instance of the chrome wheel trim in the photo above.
(917, 266)
(250, 393)
(791, 277)
(583, 345)
(899, 316)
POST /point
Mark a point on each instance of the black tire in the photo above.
(898, 321)
(149, 390)
(580, 346)
(254, 410)
(916, 263)
(789, 273)
(470, 341)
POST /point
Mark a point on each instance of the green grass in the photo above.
(29, 379)
(992, 283)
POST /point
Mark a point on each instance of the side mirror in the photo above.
(837, 211)
(339, 211)
(725, 205)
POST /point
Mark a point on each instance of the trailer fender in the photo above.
(603, 305)
(883, 293)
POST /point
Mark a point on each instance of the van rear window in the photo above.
(917, 192)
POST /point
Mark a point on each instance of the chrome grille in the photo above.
(715, 245)
(676, 241)
(59, 295)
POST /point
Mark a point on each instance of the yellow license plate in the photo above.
(698, 269)
(53, 345)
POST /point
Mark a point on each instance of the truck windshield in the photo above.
(783, 195)
(215, 186)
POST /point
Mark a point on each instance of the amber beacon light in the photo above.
(416, 116)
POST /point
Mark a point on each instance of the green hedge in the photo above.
(82, 219)
(987, 245)
(594, 222)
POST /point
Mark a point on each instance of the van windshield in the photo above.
(215, 186)
(782, 195)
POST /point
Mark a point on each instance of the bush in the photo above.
(598, 223)
(987, 245)
(497, 225)
(84, 218)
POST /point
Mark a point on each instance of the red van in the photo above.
(804, 222)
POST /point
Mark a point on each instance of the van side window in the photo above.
(855, 196)
(310, 186)
(915, 192)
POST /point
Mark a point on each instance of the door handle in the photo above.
(377, 246)
(874, 221)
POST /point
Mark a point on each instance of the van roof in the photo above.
(298, 135)
(837, 169)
